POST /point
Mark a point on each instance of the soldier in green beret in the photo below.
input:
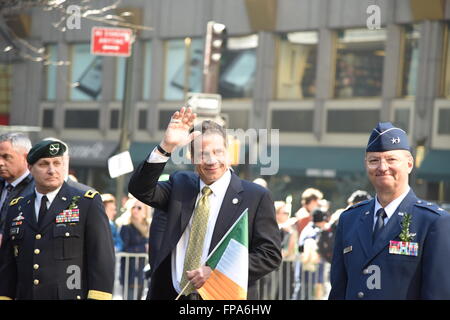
(58, 242)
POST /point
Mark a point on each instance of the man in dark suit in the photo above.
(15, 179)
(227, 197)
(58, 243)
(394, 246)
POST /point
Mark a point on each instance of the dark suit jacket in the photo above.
(78, 185)
(25, 187)
(75, 259)
(177, 198)
(357, 263)
(157, 229)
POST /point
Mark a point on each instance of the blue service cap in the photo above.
(386, 137)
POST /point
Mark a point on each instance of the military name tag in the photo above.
(404, 248)
(348, 249)
(70, 215)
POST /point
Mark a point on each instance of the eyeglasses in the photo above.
(137, 207)
(374, 163)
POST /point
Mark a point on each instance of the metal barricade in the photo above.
(291, 282)
(288, 282)
(130, 282)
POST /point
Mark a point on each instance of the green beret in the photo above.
(45, 149)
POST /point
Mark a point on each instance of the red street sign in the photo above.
(111, 41)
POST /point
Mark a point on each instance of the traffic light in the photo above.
(215, 42)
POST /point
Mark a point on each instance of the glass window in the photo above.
(238, 67)
(444, 121)
(164, 118)
(51, 72)
(120, 77)
(47, 118)
(142, 121)
(297, 63)
(293, 120)
(179, 77)
(147, 80)
(114, 120)
(359, 63)
(410, 60)
(351, 121)
(81, 119)
(86, 73)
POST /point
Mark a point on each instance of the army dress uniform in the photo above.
(68, 255)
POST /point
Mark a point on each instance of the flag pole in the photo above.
(215, 248)
(182, 291)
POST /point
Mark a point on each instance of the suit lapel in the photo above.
(365, 228)
(188, 202)
(27, 209)
(394, 225)
(60, 203)
(229, 210)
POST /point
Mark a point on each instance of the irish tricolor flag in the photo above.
(229, 262)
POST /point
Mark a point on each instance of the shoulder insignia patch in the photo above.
(90, 194)
(430, 206)
(358, 204)
(15, 201)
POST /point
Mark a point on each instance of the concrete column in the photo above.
(428, 80)
(157, 77)
(391, 70)
(265, 72)
(325, 69)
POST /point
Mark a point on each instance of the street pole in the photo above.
(124, 142)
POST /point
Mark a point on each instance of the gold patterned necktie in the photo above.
(196, 238)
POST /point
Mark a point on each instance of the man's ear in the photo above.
(410, 164)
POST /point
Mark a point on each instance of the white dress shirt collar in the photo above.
(392, 206)
(18, 180)
(220, 186)
(50, 196)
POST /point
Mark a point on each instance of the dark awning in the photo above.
(435, 166)
(301, 161)
(90, 153)
(321, 161)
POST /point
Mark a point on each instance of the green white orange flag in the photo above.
(229, 264)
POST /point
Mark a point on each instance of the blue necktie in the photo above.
(379, 224)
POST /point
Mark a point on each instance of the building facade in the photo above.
(323, 72)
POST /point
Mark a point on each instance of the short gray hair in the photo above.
(18, 140)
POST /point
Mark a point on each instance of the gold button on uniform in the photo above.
(67, 234)
(36, 282)
(36, 266)
(37, 251)
(38, 237)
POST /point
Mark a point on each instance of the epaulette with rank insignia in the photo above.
(430, 206)
(358, 204)
(90, 194)
(15, 201)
